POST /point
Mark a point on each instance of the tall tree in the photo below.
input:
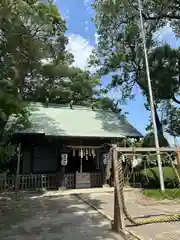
(35, 64)
(165, 75)
(30, 31)
(120, 49)
(61, 84)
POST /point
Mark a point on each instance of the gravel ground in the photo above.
(53, 218)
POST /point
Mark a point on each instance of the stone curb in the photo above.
(107, 217)
(75, 191)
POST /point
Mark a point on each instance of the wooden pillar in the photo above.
(62, 172)
(116, 222)
(105, 171)
(81, 163)
(32, 158)
(17, 170)
(118, 225)
(104, 174)
(98, 162)
(102, 168)
(64, 162)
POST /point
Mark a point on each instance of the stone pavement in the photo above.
(139, 206)
(56, 218)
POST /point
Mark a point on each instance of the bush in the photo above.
(149, 178)
(159, 195)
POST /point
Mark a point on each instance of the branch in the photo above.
(175, 100)
(174, 7)
(163, 16)
(147, 107)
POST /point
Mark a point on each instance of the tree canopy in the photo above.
(120, 52)
(32, 34)
(36, 66)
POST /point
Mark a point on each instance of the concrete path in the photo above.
(54, 218)
(139, 206)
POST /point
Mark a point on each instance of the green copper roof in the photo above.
(61, 120)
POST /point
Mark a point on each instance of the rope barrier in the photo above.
(170, 218)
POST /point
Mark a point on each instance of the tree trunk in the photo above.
(163, 142)
(159, 125)
(158, 122)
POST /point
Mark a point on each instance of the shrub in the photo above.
(149, 178)
(159, 195)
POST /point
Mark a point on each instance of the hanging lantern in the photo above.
(105, 158)
(64, 159)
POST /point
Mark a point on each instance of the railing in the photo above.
(3, 177)
(30, 182)
(96, 179)
(69, 180)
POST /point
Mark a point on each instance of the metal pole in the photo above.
(151, 98)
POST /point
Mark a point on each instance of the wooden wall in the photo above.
(42, 154)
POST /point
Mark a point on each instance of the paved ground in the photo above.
(53, 218)
(140, 206)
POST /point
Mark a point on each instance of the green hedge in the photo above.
(149, 178)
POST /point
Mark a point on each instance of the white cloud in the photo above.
(163, 33)
(87, 4)
(166, 35)
(66, 14)
(86, 26)
(81, 49)
(96, 38)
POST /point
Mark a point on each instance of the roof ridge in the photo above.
(75, 106)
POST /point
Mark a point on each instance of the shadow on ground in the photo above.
(44, 216)
(140, 208)
(135, 204)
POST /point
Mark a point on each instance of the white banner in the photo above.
(105, 158)
(64, 159)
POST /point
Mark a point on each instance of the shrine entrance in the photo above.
(84, 163)
(83, 159)
(87, 165)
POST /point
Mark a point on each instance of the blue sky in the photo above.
(82, 39)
